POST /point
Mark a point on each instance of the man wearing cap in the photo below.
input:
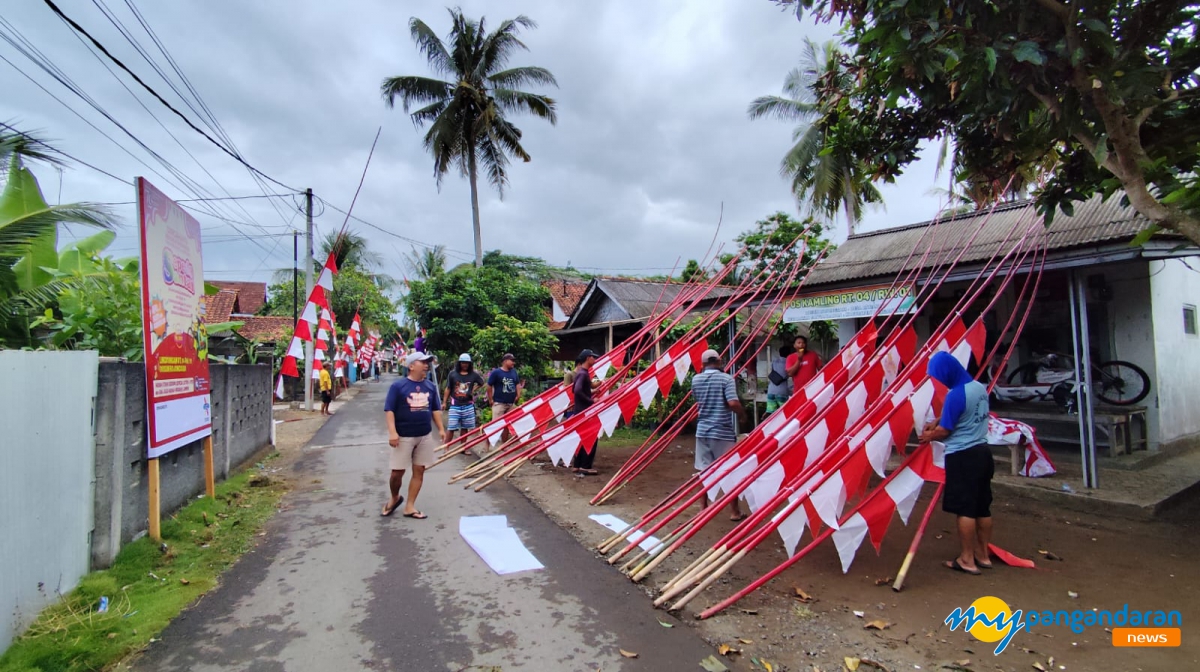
(325, 382)
(503, 386)
(581, 387)
(461, 385)
(716, 400)
(412, 408)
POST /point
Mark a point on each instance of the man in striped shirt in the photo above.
(716, 399)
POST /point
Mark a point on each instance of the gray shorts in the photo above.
(710, 450)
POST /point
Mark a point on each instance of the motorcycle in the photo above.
(1054, 376)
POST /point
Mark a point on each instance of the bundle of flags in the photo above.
(316, 325)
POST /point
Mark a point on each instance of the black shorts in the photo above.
(969, 482)
(326, 397)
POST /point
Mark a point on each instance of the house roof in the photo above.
(637, 298)
(251, 296)
(566, 293)
(268, 329)
(887, 252)
(218, 307)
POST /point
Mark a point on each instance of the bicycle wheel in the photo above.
(1025, 374)
(1120, 383)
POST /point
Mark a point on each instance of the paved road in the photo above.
(335, 587)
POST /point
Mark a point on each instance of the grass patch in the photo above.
(630, 436)
(146, 586)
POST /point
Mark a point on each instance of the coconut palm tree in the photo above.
(427, 263)
(826, 179)
(466, 110)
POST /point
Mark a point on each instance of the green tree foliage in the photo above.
(782, 240)
(826, 176)
(453, 306)
(426, 262)
(1092, 97)
(466, 111)
(692, 272)
(530, 342)
(352, 289)
(100, 310)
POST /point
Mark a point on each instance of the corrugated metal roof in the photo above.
(884, 253)
(639, 297)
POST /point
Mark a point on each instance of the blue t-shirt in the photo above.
(504, 386)
(713, 389)
(965, 415)
(414, 404)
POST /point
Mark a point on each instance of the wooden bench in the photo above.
(1114, 425)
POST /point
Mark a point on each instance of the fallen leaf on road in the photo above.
(628, 654)
(745, 641)
(883, 582)
(713, 665)
(877, 625)
(752, 612)
(666, 625)
(184, 581)
(876, 664)
(726, 650)
(852, 664)
(964, 662)
(803, 596)
(1038, 666)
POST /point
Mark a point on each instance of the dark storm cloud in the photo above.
(652, 134)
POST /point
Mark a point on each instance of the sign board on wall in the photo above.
(176, 342)
(850, 303)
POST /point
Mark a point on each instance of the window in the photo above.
(1189, 320)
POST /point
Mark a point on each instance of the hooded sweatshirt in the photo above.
(965, 410)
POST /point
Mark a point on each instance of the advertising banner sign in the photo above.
(850, 303)
(176, 341)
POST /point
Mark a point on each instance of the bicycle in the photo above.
(1054, 377)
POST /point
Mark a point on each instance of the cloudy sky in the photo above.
(652, 135)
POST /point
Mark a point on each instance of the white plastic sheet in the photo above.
(617, 525)
(497, 543)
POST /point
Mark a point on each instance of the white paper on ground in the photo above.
(617, 525)
(497, 543)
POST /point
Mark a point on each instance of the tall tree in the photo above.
(827, 178)
(1088, 97)
(352, 251)
(428, 262)
(466, 111)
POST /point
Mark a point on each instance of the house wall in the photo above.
(1133, 334)
(45, 480)
(1172, 285)
(557, 312)
(608, 311)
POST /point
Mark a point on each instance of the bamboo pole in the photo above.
(210, 480)
(155, 502)
(912, 548)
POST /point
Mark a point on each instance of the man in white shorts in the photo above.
(412, 408)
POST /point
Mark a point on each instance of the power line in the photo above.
(80, 29)
(413, 241)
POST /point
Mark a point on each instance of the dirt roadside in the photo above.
(1105, 563)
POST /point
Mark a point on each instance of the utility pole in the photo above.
(308, 288)
(295, 276)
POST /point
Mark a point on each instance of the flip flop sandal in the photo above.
(953, 564)
(983, 566)
(385, 512)
(738, 519)
(416, 515)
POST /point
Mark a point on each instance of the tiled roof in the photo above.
(887, 252)
(266, 329)
(566, 293)
(218, 307)
(555, 326)
(251, 296)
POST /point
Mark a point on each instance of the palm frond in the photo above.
(17, 234)
(778, 107)
(429, 113)
(532, 103)
(508, 137)
(495, 162)
(500, 44)
(514, 77)
(414, 90)
(429, 44)
(27, 145)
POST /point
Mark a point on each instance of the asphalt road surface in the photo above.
(334, 587)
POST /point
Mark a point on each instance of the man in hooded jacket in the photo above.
(963, 429)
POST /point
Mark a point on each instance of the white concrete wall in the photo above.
(46, 473)
(1132, 332)
(558, 314)
(1172, 285)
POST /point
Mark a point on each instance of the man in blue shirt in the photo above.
(504, 385)
(716, 400)
(962, 429)
(412, 408)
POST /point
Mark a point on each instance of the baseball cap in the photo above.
(507, 355)
(464, 357)
(709, 355)
(584, 354)
(418, 356)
